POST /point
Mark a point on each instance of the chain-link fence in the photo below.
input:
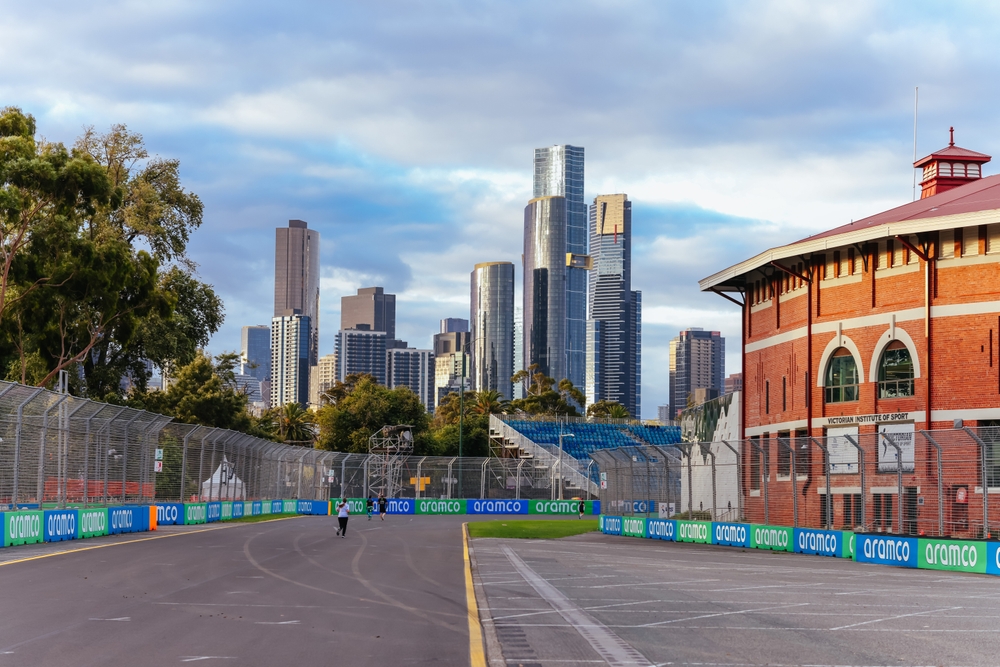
(58, 450)
(898, 480)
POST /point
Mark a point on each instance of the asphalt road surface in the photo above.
(286, 592)
(596, 599)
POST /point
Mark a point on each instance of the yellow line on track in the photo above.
(141, 539)
(477, 657)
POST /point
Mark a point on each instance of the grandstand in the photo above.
(537, 438)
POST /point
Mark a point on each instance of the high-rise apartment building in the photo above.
(255, 351)
(454, 325)
(697, 361)
(322, 378)
(545, 286)
(361, 351)
(613, 345)
(518, 390)
(296, 277)
(449, 349)
(559, 172)
(492, 317)
(409, 367)
(371, 307)
(290, 345)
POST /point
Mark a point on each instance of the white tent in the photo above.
(223, 484)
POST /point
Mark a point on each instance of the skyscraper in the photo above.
(545, 285)
(296, 277)
(361, 351)
(697, 361)
(449, 349)
(454, 325)
(614, 332)
(518, 391)
(371, 306)
(409, 367)
(290, 341)
(492, 317)
(255, 351)
(559, 173)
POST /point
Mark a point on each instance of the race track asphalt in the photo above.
(284, 592)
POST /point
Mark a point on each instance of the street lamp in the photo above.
(561, 436)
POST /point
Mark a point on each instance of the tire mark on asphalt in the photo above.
(413, 566)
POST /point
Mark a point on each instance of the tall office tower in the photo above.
(449, 349)
(322, 378)
(409, 367)
(360, 351)
(663, 414)
(296, 277)
(559, 173)
(545, 286)
(492, 316)
(255, 351)
(613, 347)
(290, 342)
(697, 361)
(454, 325)
(371, 306)
(518, 391)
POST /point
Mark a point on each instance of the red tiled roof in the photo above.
(980, 195)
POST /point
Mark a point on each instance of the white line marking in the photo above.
(892, 618)
(724, 613)
(123, 618)
(607, 644)
(195, 658)
(277, 623)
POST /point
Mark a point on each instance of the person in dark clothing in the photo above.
(382, 506)
(343, 513)
(370, 506)
(583, 508)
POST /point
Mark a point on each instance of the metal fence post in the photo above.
(125, 455)
(482, 479)
(985, 481)
(739, 481)
(828, 500)
(861, 470)
(41, 453)
(17, 443)
(940, 483)
(712, 454)
(899, 481)
(763, 464)
(794, 479)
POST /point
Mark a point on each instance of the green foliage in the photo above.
(607, 410)
(360, 407)
(542, 399)
(532, 528)
(295, 425)
(199, 395)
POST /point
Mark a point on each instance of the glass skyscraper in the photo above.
(545, 286)
(256, 351)
(559, 173)
(492, 317)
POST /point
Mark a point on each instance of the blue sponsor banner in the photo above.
(496, 507)
(886, 550)
(321, 507)
(277, 506)
(597, 507)
(644, 507)
(169, 514)
(731, 534)
(303, 507)
(257, 508)
(401, 506)
(661, 529)
(60, 525)
(993, 558)
(611, 525)
(128, 519)
(213, 511)
(238, 509)
(818, 542)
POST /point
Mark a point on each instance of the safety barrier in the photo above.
(474, 506)
(55, 525)
(882, 548)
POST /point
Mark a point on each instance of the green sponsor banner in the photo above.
(432, 506)
(265, 507)
(633, 526)
(694, 531)
(195, 513)
(354, 506)
(775, 538)
(93, 522)
(559, 507)
(847, 544)
(288, 507)
(227, 511)
(955, 555)
(22, 528)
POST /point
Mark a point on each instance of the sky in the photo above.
(404, 131)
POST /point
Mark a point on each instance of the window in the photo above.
(852, 510)
(883, 510)
(895, 372)
(972, 170)
(993, 239)
(754, 464)
(841, 377)
(946, 241)
(784, 394)
(784, 455)
(944, 168)
(882, 260)
(897, 252)
(970, 241)
(803, 452)
(767, 397)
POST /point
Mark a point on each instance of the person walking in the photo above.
(382, 506)
(343, 512)
(370, 506)
(583, 507)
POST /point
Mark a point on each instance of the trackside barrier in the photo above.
(153, 523)
(169, 514)
(838, 543)
(195, 513)
(213, 512)
(60, 525)
(257, 508)
(22, 528)
(93, 523)
(694, 531)
(731, 534)
(238, 508)
(227, 511)
(775, 538)
(277, 507)
(128, 519)
(430, 506)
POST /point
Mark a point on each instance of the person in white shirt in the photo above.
(343, 512)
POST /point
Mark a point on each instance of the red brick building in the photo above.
(876, 330)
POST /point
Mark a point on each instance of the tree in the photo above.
(542, 399)
(607, 410)
(361, 406)
(199, 395)
(295, 425)
(489, 402)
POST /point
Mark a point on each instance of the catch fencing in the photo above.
(898, 480)
(58, 450)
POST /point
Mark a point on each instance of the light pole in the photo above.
(561, 436)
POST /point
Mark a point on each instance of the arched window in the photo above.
(841, 377)
(895, 372)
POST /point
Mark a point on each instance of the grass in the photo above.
(533, 530)
(261, 517)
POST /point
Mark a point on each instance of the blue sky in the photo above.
(404, 131)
